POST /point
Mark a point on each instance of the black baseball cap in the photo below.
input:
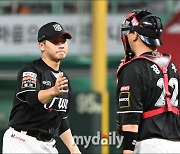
(51, 31)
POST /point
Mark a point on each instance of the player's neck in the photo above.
(143, 48)
(53, 64)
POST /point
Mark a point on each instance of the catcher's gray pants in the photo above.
(17, 142)
(156, 145)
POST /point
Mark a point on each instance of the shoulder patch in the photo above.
(124, 101)
(125, 88)
(29, 80)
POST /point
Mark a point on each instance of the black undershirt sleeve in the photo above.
(131, 118)
(64, 126)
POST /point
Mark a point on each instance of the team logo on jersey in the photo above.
(57, 104)
(29, 80)
(124, 100)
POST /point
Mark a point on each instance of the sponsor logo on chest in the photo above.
(47, 83)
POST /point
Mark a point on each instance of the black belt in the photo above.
(37, 134)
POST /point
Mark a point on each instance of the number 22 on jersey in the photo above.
(173, 83)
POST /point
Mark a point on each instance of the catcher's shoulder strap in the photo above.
(162, 62)
(122, 64)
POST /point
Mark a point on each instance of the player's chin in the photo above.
(61, 57)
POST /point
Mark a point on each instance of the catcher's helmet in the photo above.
(148, 26)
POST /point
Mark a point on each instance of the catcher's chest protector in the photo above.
(162, 62)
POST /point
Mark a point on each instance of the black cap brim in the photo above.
(67, 35)
(151, 41)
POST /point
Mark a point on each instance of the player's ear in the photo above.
(135, 36)
(41, 46)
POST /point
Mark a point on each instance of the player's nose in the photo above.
(61, 46)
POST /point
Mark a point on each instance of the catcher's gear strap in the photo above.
(162, 62)
(160, 110)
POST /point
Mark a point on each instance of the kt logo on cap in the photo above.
(57, 27)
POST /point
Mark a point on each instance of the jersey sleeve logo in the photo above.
(125, 88)
(29, 80)
(124, 101)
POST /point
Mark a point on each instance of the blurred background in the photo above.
(19, 23)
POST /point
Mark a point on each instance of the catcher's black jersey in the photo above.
(37, 76)
(141, 88)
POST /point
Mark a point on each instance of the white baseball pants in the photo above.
(17, 142)
(156, 145)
